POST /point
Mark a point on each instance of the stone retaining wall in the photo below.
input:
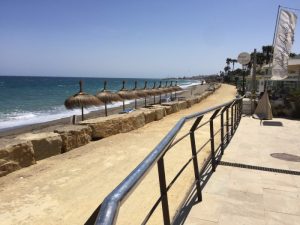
(74, 136)
(26, 149)
(14, 155)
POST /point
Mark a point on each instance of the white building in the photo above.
(292, 82)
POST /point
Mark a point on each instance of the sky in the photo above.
(148, 39)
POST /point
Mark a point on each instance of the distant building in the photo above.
(292, 82)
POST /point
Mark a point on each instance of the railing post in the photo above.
(232, 125)
(239, 111)
(222, 128)
(212, 140)
(222, 133)
(163, 191)
(236, 115)
(195, 161)
(241, 108)
(227, 124)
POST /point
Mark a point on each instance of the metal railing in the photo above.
(107, 212)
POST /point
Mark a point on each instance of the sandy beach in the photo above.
(51, 125)
(67, 188)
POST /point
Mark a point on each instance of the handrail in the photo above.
(111, 204)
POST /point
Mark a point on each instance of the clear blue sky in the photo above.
(132, 38)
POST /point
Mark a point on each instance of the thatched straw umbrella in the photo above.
(139, 93)
(176, 88)
(161, 90)
(125, 94)
(107, 96)
(166, 88)
(171, 89)
(81, 100)
(155, 91)
(146, 93)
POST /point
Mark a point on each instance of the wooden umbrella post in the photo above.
(159, 93)
(175, 90)
(82, 117)
(80, 85)
(171, 89)
(105, 107)
(123, 86)
(145, 96)
(166, 95)
(80, 89)
(154, 93)
(135, 101)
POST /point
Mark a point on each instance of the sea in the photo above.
(27, 100)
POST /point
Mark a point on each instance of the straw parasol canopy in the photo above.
(167, 89)
(155, 91)
(107, 96)
(125, 94)
(147, 92)
(139, 93)
(81, 100)
(161, 90)
(176, 88)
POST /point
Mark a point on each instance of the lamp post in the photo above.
(244, 59)
(244, 74)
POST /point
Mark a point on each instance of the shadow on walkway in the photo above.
(192, 198)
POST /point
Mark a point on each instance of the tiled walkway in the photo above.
(243, 196)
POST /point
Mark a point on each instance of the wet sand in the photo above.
(65, 189)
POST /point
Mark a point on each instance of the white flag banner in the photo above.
(283, 44)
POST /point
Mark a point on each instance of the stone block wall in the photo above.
(14, 155)
(44, 144)
(74, 136)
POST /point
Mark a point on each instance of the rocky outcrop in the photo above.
(74, 136)
(114, 124)
(15, 154)
(44, 144)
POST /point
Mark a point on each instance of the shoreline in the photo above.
(53, 124)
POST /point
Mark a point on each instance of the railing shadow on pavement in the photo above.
(192, 200)
(230, 115)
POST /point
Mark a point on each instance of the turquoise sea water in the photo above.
(30, 100)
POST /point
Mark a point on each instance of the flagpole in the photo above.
(275, 30)
(276, 24)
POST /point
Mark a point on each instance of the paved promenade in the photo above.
(235, 195)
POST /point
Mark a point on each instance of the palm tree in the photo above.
(268, 53)
(233, 62)
(226, 69)
(228, 61)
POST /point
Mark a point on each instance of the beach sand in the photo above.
(52, 125)
(67, 188)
